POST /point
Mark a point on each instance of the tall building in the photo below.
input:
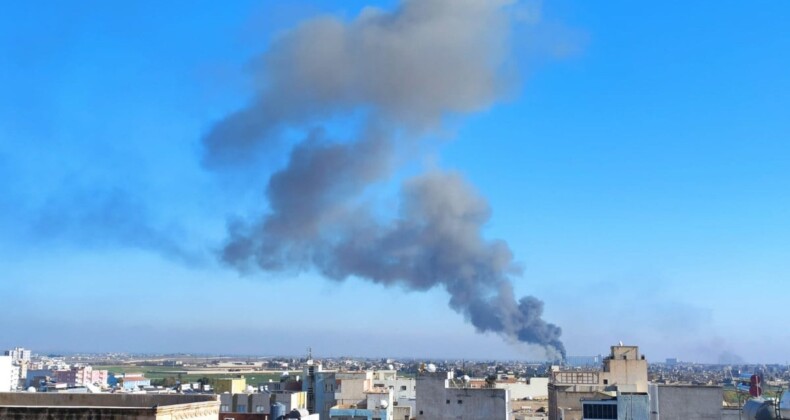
(624, 371)
(320, 388)
(19, 354)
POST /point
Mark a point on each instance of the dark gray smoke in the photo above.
(401, 73)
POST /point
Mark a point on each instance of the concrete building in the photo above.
(357, 397)
(527, 389)
(624, 370)
(82, 376)
(6, 373)
(128, 381)
(19, 355)
(43, 406)
(404, 392)
(377, 405)
(319, 385)
(688, 402)
(34, 377)
(230, 385)
(442, 397)
(260, 402)
(626, 406)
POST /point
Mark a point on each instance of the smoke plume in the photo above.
(401, 73)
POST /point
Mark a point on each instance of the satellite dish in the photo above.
(621, 343)
(390, 367)
(465, 378)
(431, 367)
(384, 404)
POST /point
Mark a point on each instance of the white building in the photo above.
(19, 355)
(6, 373)
(529, 389)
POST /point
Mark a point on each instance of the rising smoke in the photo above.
(402, 73)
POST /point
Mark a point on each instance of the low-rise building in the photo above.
(525, 389)
(442, 397)
(688, 402)
(128, 381)
(230, 385)
(82, 376)
(25, 405)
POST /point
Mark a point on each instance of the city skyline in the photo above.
(635, 166)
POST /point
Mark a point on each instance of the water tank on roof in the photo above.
(758, 409)
(298, 413)
(278, 411)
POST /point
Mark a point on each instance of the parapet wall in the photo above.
(33, 399)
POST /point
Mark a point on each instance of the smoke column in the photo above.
(401, 73)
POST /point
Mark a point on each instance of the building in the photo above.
(319, 385)
(33, 406)
(6, 373)
(19, 355)
(442, 397)
(230, 385)
(376, 406)
(404, 392)
(357, 397)
(35, 377)
(128, 381)
(626, 406)
(82, 376)
(688, 402)
(527, 389)
(260, 402)
(624, 370)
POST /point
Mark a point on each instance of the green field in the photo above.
(162, 372)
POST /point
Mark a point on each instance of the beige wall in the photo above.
(35, 406)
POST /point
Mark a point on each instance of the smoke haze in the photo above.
(402, 73)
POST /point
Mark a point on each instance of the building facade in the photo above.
(440, 397)
(34, 406)
(624, 370)
(82, 376)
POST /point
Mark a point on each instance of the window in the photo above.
(600, 411)
(403, 387)
(241, 408)
(420, 412)
(606, 382)
(460, 401)
(224, 408)
(260, 409)
(448, 401)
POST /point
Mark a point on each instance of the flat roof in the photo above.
(51, 399)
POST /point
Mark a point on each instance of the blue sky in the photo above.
(639, 173)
